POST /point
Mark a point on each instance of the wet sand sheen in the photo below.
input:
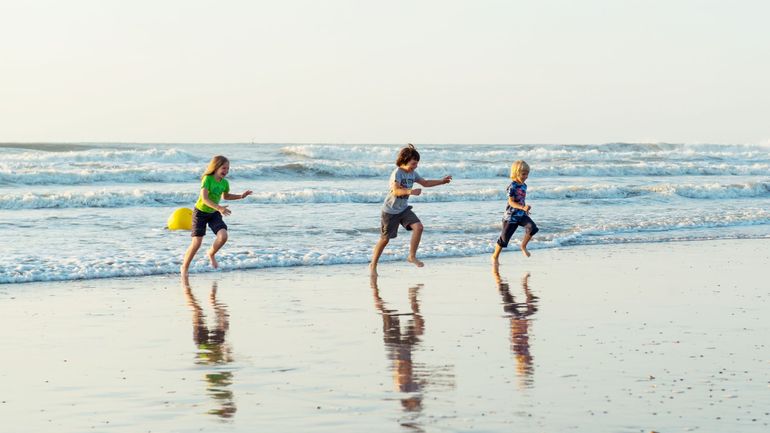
(664, 337)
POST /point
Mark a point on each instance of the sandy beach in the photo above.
(663, 337)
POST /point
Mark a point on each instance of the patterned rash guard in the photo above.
(518, 193)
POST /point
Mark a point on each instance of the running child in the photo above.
(517, 211)
(207, 211)
(395, 209)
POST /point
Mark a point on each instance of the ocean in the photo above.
(82, 211)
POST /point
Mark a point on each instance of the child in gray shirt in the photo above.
(395, 209)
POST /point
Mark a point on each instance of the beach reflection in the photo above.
(402, 335)
(400, 343)
(213, 350)
(519, 314)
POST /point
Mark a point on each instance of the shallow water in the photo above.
(99, 210)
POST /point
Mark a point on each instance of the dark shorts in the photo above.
(200, 219)
(510, 226)
(390, 222)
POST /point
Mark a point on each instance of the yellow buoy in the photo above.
(181, 219)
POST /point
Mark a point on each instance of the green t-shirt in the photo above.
(216, 189)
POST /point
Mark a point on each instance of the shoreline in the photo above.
(511, 250)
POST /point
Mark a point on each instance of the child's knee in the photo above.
(417, 227)
(222, 235)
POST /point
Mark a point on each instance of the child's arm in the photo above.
(429, 183)
(228, 196)
(399, 190)
(516, 205)
(207, 201)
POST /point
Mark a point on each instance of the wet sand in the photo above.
(627, 338)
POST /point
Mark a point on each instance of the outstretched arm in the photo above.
(228, 196)
(429, 183)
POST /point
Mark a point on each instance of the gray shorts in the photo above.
(390, 222)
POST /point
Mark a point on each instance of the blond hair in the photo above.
(517, 168)
(214, 165)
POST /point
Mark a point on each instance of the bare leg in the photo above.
(414, 244)
(525, 239)
(496, 254)
(218, 243)
(188, 256)
(378, 248)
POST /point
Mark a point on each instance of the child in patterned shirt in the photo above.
(517, 211)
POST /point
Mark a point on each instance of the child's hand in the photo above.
(224, 210)
(527, 208)
(447, 178)
(416, 191)
(246, 193)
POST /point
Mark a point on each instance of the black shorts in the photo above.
(510, 226)
(200, 219)
(390, 222)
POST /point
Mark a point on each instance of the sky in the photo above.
(395, 71)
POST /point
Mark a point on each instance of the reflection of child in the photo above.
(395, 209)
(401, 343)
(213, 349)
(214, 187)
(519, 323)
(517, 211)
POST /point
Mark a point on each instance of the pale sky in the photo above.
(389, 71)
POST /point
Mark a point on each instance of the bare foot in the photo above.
(372, 269)
(212, 259)
(416, 262)
(524, 250)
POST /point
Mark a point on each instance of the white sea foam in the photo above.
(145, 197)
(76, 175)
(71, 167)
(55, 269)
(585, 153)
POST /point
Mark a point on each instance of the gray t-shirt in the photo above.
(396, 204)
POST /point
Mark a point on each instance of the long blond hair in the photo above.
(517, 168)
(214, 165)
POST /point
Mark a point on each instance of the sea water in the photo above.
(80, 211)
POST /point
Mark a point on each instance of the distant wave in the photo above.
(97, 199)
(90, 175)
(145, 197)
(47, 147)
(76, 154)
(51, 153)
(716, 191)
(688, 190)
(73, 174)
(502, 153)
(87, 165)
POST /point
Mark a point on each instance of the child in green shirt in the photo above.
(214, 187)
